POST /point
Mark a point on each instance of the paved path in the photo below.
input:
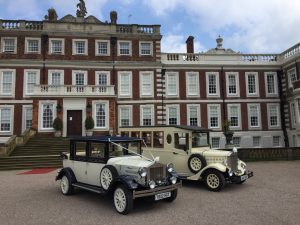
(271, 197)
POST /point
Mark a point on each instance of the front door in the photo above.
(74, 123)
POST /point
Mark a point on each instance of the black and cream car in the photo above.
(110, 164)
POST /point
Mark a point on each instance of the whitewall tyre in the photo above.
(107, 175)
(214, 180)
(66, 185)
(196, 162)
(123, 200)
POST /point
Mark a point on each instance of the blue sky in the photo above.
(248, 26)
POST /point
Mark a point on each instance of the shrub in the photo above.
(89, 123)
(57, 124)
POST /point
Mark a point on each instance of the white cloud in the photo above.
(257, 26)
(173, 43)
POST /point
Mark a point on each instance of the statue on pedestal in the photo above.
(81, 9)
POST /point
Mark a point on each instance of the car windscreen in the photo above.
(199, 139)
(118, 149)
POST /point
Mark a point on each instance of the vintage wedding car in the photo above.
(188, 148)
(109, 164)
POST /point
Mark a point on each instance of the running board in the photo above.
(87, 187)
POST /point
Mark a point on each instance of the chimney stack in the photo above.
(190, 44)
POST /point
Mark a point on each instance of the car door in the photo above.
(80, 162)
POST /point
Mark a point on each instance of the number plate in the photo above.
(162, 196)
(244, 177)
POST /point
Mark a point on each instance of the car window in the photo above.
(124, 149)
(181, 140)
(199, 139)
(80, 151)
(97, 152)
(158, 139)
(147, 138)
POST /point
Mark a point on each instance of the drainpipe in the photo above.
(163, 72)
(280, 74)
(113, 41)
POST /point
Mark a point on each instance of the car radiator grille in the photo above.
(157, 172)
(233, 162)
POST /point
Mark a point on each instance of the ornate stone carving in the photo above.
(81, 9)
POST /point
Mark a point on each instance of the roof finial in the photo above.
(219, 42)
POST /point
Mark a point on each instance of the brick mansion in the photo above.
(77, 66)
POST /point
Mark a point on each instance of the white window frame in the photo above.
(238, 138)
(258, 119)
(24, 108)
(207, 74)
(62, 46)
(74, 46)
(11, 107)
(74, 72)
(178, 113)
(40, 122)
(209, 116)
(142, 92)
(98, 73)
(289, 73)
(120, 114)
(275, 94)
(259, 143)
(3, 45)
(176, 93)
(239, 127)
(50, 73)
(278, 115)
(129, 93)
(97, 47)
(188, 108)
(94, 103)
(142, 107)
(237, 83)
(212, 142)
(130, 48)
(188, 92)
(279, 141)
(13, 84)
(151, 48)
(256, 94)
(27, 46)
(37, 81)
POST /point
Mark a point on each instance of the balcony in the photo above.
(72, 91)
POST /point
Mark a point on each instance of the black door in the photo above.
(74, 123)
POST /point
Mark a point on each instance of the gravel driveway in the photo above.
(272, 197)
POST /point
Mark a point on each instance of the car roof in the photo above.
(106, 139)
(191, 128)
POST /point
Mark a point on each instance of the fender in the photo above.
(69, 172)
(126, 180)
(218, 166)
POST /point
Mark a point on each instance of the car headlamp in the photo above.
(142, 172)
(152, 184)
(173, 180)
(170, 167)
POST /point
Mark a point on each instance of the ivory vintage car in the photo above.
(115, 165)
(188, 149)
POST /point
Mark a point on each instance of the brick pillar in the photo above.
(190, 44)
(35, 114)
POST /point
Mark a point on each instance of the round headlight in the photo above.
(170, 167)
(142, 172)
(230, 173)
(173, 180)
(152, 184)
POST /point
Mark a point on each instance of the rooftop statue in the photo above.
(81, 9)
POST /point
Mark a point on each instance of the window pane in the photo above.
(124, 48)
(192, 84)
(212, 84)
(100, 115)
(79, 79)
(146, 84)
(271, 84)
(56, 78)
(5, 119)
(28, 118)
(80, 47)
(145, 49)
(47, 115)
(9, 45)
(56, 46)
(256, 141)
(234, 116)
(7, 82)
(214, 116)
(172, 116)
(253, 111)
(215, 142)
(102, 48)
(125, 116)
(236, 141)
(172, 84)
(251, 84)
(276, 141)
(33, 45)
(232, 84)
(147, 116)
(193, 116)
(124, 84)
(273, 111)
(31, 81)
